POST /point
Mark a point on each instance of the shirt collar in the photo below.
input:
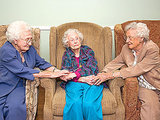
(83, 53)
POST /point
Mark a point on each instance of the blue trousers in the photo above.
(83, 102)
(12, 106)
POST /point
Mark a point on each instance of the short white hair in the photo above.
(65, 39)
(141, 28)
(14, 30)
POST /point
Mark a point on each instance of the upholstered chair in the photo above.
(130, 89)
(100, 40)
(31, 87)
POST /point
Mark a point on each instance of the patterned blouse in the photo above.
(87, 62)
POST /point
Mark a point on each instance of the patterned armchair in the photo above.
(100, 40)
(31, 87)
(130, 89)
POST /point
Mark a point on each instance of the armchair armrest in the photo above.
(115, 88)
(49, 85)
(130, 99)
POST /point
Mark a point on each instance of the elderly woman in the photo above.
(17, 59)
(141, 56)
(83, 99)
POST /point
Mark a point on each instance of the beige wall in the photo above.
(57, 12)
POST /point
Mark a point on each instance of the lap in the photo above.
(148, 95)
(77, 90)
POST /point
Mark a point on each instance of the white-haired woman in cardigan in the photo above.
(141, 55)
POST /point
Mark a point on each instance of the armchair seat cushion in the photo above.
(109, 103)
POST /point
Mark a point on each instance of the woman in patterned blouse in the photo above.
(83, 98)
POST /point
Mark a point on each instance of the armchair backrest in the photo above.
(95, 36)
(3, 39)
(153, 26)
(35, 33)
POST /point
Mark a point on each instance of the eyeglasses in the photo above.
(132, 38)
(128, 37)
(28, 40)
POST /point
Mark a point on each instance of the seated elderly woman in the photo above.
(83, 99)
(141, 55)
(17, 59)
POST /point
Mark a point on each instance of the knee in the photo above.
(75, 103)
(149, 102)
(72, 106)
(88, 105)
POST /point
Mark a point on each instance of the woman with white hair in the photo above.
(83, 99)
(17, 61)
(141, 56)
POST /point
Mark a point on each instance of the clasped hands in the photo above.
(91, 80)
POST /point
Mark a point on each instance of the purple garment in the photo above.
(86, 66)
(77, 71)
(87, 62)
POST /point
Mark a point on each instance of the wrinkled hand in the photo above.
(103, 77)
(59, 73)
(68, 76)
(66, 72)
(88, 79)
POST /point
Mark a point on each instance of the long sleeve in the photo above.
(150, 60)
(12, 62)
(40, 62)
(66, 62)
(116, 63)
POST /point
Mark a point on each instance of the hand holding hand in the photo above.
(59, 73)
(88, 79)
(66, 72)
(103, 77)
(68, 76)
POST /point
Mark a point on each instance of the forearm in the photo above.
(109, 75)
(52, 69)
(70, 76)
(43, 74)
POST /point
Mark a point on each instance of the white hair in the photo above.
(141, 28)
(15, 29)
(65, 39)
